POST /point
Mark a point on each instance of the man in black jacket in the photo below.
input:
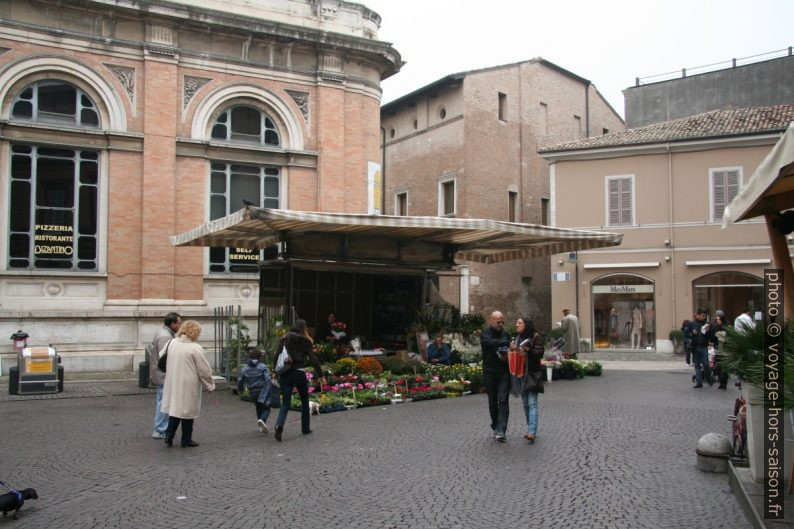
(495, 341)
(702, 335)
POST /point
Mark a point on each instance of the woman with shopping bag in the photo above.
(526, 380)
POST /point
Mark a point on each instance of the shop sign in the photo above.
(52, 240)
(622, 289)
(561, 276)
(243, 256)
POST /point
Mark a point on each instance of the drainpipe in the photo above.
(587, 110)
(672, 239)
(383, 171)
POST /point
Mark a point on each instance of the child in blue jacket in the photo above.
(255, 376)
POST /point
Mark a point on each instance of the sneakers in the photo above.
(500, 437)
(262, 426)
(158, 435)
(697, 386)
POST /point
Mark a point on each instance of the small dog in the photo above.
(11, 501)
(314, 407)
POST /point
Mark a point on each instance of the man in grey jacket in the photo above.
(161, 338)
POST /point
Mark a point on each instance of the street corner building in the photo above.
(124, 122)
(665, 187)
(465, 146)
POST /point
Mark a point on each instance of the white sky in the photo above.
(608, 42)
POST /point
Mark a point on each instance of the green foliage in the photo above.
(238, 343)
(743, 356)
(397, 366)
(345, 366)
(326, 352)
(676, 336)
(554, 334)
(593, 369)
(572, 369)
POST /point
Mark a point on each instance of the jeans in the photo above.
(294, 378)
(497, 386)
(701, 358)
(262, 408)
(530, 400)
(160, 418)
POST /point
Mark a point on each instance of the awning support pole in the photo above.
(782, 259)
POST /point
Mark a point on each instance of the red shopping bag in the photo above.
(517, 361)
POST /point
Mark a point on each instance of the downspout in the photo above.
(383, 171)
(587, 110)
(520, 216)
(672, 239)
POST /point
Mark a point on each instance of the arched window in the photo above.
(246, 124)
(55, 101)
(730, 292)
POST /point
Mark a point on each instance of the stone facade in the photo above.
(482, 129)
(161, 75)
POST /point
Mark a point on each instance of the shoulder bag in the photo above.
(161, 363)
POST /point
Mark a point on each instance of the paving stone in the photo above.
(616, 451)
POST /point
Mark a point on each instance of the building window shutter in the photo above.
(620, 193)
(614, 202)
(725, 187)
(625, 201)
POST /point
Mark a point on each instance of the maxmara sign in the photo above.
(622, 289)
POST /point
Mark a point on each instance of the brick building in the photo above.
(466, 145)
(124, 122)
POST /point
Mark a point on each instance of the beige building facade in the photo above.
(664, 188)
(465, 146)
(123, 123)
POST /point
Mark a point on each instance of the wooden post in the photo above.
(782, 259)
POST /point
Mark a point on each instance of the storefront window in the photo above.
(53, 208)
(624, 312)
(731, 292)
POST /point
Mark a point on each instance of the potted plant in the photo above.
(677, 337)
(743, 356)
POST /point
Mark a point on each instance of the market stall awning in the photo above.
(380, 238)
(771, 188)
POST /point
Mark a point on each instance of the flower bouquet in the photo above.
(551, 363)
(339, 330)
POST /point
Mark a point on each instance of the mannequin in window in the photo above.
(636, 328)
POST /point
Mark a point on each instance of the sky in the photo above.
(610, 42)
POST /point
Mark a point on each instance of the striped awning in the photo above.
(392, 238)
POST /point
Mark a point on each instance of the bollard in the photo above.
(713, 451)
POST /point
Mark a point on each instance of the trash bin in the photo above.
(38, 371)
(143, 375)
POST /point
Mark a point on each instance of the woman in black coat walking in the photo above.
(527, 382)
(299, 348)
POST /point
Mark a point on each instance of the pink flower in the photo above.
(360, 386)
(311, 390)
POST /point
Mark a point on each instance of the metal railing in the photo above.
(227, 340)
(733, 63)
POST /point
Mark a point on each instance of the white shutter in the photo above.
(719, 194)
(625, 201)
(731, 186)
(614, 202)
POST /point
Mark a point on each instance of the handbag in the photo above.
(283, 364)
(163, 360)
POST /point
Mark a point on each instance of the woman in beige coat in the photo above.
(186, 371)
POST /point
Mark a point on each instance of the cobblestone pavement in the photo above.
(615, 451)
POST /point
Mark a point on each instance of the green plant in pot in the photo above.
(677, 337)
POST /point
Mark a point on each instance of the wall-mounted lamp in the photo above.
(667, 242)
(667, 258)
(560, 262)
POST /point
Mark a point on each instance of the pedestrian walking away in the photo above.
(256, 378)
(495, 344)
(570, 331)
(164, 334)
(299, 348)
